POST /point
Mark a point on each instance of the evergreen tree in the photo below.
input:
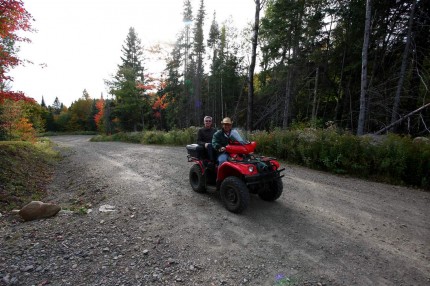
(43, 103)
(127, 85)
(174, 88)
(50, 124)
(57, 106)
(199, 50)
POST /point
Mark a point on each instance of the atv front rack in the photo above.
(264, 177)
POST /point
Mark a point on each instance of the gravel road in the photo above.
(324, 230)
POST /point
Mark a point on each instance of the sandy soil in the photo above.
(324, 230)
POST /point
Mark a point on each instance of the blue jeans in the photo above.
(222, 158)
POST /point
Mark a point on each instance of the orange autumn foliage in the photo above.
(14, 122)
(98, 118)
(25, 131)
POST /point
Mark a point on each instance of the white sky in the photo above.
(80, 40)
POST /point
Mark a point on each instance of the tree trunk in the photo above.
(339, 109)
(198, 90)
(363, 93)
(395, 112)
(401, 119)
(314, 104)
(287, 100)
(258, 6)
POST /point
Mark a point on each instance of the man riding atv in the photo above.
(239, 172)
(221, 138)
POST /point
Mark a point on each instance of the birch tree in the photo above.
(363, 92)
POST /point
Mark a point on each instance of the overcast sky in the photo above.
(80, 40)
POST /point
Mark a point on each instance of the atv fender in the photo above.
(228, 169)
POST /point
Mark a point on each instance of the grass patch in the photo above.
(173, 137)
(58, 133)
(26, 169)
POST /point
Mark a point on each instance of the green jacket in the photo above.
(220, 139)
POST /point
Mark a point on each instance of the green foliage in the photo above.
(174, 137)
(402, 160)
(395, 159)
(81, 114)
(392, 158)
(25, 169)
(127, 86)
(180, 137)
(52, 133)
(153, 137)
(130, 137)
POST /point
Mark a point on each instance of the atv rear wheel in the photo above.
(273, 192)
(197, 179)
(234, 194)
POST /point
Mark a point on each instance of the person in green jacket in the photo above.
(221, 138)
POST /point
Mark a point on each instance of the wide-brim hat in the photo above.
(226, 120)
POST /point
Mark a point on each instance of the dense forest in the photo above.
(358, 65)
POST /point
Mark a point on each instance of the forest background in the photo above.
(349, 67)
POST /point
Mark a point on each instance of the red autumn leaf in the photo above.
(13, 18)
(15, 96)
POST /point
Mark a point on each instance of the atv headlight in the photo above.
(251, 168)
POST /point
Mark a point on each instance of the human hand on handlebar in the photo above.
(222, 149)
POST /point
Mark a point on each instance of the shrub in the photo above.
(181, 137)
(153, 137)
(394, 159)
(404, 161)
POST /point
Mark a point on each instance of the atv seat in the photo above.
(199, 152)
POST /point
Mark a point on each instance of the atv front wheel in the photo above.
(234, 194)
(273, 192)
(197, 179)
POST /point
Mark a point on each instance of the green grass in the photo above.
(26, 169)
(174, 137)
(58, 133)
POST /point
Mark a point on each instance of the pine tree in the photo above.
(174, 88)
(43, 104)
(188, 71)
(199, 50)
(127, 85)
(57, 106)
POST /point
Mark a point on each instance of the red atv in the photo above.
(243, 173)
